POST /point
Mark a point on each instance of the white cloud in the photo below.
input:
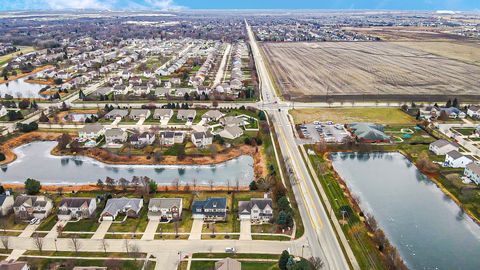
(77, 4)
(91, 4)
(163, 4)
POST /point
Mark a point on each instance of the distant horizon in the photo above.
(245, 5)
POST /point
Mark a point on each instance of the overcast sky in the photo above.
(241, 4)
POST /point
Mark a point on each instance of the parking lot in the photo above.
(328, 131)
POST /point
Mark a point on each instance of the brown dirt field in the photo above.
(408, 33)
(313, 70)
(467, 52)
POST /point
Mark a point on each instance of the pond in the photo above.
(35, 161)
(20, 89)
(427, 227)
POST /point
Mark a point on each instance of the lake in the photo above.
(35, 161)
(20, 88)
(428, 228)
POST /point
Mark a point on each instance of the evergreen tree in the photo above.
(455, 103)
(449, 104)
(283, 260)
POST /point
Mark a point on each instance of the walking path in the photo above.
(53, 233)
(221, 69)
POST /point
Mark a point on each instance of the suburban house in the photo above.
(91, 131)
(120, 89)
(442, 147)
(115, 136)
(368, 132)
(211, 209)
(202, 139)
(162, 114)
(14, 265)
(472, 171)
(142, 139)
(455, 159)
(3, 110)
(76, 208)
(256, 210)
(231, 132)
(141, 90)
(164, 209)
(136, 114)
(451, 112)
(89, 268)
(162, 92)
(6, 204)
(212, 115)
(228, 264)
(27, 207)
(474, 111)
(231, 121)
(171, 137)
(129, 206)
(113, 114)
(186, 115)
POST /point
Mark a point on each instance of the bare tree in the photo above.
(60, 230)
(104, 245)
(176, 183)
(194, 184)
(213, 229)
(127, 247)
(38, 242)
(317, 263)
(211, 183)
(237, 184)
(75, 242)
(134, 251)
(5, 242)
(175, 224)
(228, 185)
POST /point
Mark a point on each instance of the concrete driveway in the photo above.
(28, 231)
(151, 229)
(196, 232)
(245, 230)
(53, 233)
(102, 229)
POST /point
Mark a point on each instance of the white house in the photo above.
(129, 206)
(162, 114)
(115, 136)
(231, 132)
(202, 139)
(14, 265)
(141, 139)
(258, 210)
(6, 204)
(91, 131)
(170, 137)
(455, 159)
(212, 115)
(472, 171)
(76, 208)
(164, 209)
(442, 147)
(474, 111)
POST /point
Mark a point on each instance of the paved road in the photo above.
(223, 63)
(318, 230)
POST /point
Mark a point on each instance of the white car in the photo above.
(33, 221)
(229, 250)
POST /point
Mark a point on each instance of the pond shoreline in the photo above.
(19, 76)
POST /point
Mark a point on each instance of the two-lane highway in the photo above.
(322, 239)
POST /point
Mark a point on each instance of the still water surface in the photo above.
(428, 228)
(35, 161)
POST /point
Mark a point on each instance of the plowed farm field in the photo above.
(314, 71)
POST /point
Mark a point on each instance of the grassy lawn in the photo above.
(83, 225)
(236, 256)
(132, 224)
(465, 131)
(355, 230)
(10, 56)
(8, 223)
(48, 223)
(351, 115)
(48, 263)
(207, 265)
